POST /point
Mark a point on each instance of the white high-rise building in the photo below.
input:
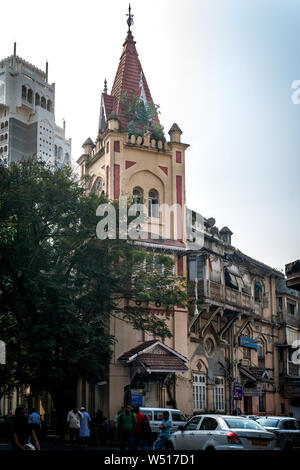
(27, 119)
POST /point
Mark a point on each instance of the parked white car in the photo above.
(221, 432)
(156, 416)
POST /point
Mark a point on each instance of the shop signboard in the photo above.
(252, 392)
(136, 397)
(237, 391)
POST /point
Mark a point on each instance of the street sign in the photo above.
(136, 397)
(248, 342)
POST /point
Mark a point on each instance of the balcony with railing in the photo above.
(226, 296)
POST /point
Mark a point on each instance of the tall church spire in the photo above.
(129, 80)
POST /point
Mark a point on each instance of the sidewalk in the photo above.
(52, 445)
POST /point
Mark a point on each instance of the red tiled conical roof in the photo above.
(127, 80)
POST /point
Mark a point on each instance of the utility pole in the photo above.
(2, 353)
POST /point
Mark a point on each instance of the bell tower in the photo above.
(131, 154)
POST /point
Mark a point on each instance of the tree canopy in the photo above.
(60, 285)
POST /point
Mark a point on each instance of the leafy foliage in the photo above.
(60, 285)
(140, 116)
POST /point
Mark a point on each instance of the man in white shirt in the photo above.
(73, 420)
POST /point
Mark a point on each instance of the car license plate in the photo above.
(259, 442)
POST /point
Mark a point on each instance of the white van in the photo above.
(156, 416)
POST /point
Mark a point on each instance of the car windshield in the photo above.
(235, 423)
(272, 423)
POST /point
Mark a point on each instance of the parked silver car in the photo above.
(287, 430)
(221, 432)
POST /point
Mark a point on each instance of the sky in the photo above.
(222, 69)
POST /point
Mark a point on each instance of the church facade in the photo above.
(142, 165)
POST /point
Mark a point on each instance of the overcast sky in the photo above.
(222, 69)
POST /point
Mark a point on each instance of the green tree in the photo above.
(60, 285)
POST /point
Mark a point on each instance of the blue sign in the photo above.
(136, 397)
(248, 342)
(237, 391)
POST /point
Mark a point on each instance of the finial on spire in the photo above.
(105, 86)
(130, 17)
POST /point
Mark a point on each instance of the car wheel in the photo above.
(210, 448)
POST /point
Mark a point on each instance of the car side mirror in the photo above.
(180, 428)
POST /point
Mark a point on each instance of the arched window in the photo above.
(2, 125)
(37, 99)
(5, 148)
(98, 186)
(258, 291)
(6, 124)
(60, 152)
(24, 92)
(5, 137)
(153, 203)
(29, 96)
(43, 102)
(49, 106)
(66, 161)
(1, 138)
(138, 195)
(260, 354)
(55, 150)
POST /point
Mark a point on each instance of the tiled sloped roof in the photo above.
(239, 256)
(127, 79)
(109, 103)
(136, 350)
(167, 360)
(163, 362)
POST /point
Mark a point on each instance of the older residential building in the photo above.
(292, 271)
(27, 119)
(288, 318)
(232, 328)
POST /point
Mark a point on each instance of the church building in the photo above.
(131, 157)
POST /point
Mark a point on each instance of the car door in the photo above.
(293, 432)
(286, 435)
(207, 433)
(178, 419)
(183, 440)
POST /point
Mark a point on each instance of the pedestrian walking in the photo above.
(142, 429)
(35, 420)
(73, 420)
(116, 425)
(126, 426)
(165, 431)
(84, 430)
(22, 432)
